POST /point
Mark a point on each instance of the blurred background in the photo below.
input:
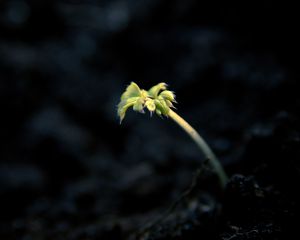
(68, 169)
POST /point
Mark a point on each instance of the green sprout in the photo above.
(160, 100)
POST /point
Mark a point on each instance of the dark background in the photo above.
(68, 170)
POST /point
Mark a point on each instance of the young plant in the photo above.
(160, 100)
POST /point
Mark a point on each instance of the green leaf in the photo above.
(132, 90)
(139, 105)
(154, 91)
(124, 105)
(162, 106)
(170, 104)
(168, 95)
(158, 112)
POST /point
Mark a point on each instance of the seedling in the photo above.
(160, 100)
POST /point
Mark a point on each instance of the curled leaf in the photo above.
(161, 106)
(168, 95)
(154, 91)
(132, 90)
(158, 112)
(124, 105)
(139, 105)
(170, 104)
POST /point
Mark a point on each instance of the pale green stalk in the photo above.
(208, 153)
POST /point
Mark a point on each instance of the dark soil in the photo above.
(68, 170)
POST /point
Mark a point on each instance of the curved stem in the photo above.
(214, 162)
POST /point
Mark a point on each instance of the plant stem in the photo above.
(214, 162)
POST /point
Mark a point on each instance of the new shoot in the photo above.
(160, 100)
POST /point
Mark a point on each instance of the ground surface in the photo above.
(68, 170)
